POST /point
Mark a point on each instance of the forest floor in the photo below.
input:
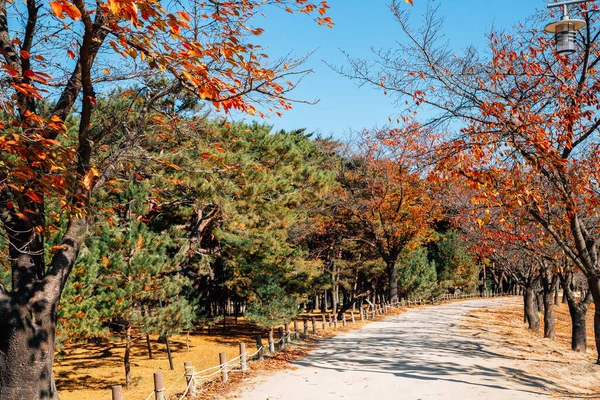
(463, 350)
(88, 370)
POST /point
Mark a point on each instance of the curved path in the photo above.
(421, 354)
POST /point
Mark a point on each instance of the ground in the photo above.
(88, 370)
(442, 352)
(489, 345)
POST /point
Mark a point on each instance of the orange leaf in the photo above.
(71, 54)
(24, 54)
(34, 197)
(57, 9)
(71, 11)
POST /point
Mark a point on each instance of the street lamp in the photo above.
(566, 28)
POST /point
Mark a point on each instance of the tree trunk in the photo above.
(531, 309)
(549, 331)
(26, 349)
(594, 284)
(169, 352)
(126, 358)
(578, 326)
(525, 320)
(549, 283)
(149, 346)
(392, 281)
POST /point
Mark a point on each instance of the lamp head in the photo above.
(564, 33)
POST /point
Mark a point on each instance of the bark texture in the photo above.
(531, 309)
(26, 349)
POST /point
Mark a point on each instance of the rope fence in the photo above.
(198, 381)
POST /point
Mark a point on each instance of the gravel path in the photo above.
(421, 354)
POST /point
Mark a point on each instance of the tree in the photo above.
(386, 194)
(128, 276)
(47, 157)
(528, 123)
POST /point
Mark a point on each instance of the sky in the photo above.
(359, 25)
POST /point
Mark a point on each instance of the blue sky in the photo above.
(361, 24)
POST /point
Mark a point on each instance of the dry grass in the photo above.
(575, 373)
(88, 370)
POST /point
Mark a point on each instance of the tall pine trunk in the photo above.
(126, 358)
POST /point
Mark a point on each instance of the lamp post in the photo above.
(566, 28)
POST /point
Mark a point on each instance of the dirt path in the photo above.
(422, 354)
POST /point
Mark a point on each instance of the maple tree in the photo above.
(57, 57)
(385, 193)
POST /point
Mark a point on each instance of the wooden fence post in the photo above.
(313, 321)
(288, 336)
(271, 342)
(223, 365)
(259, 347)
(330, 320)
(281, 337)
(344, 319)
(305, 322)
(117, 392)
(324, 323)
(362, 316)
(296, 330)
(243, 357)
(335, 321)
(189, 377)
(352, 316)
(158, 386)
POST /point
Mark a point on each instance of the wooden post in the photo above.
(335, 321)
(313, 321)
(117, 392)
(189, 377)
(259, 347)
(344, 319)
(362, 315)
(330, 320)
(222, 364)
(305, 326)
(296, 330)
(271, 342)
(243, 357)
(158, 386)
(288, 336)
(282, 334)
(352, 316)
(324, 322)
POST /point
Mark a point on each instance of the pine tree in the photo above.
(130, 281)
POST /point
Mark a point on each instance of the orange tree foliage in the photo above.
(385, 194)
